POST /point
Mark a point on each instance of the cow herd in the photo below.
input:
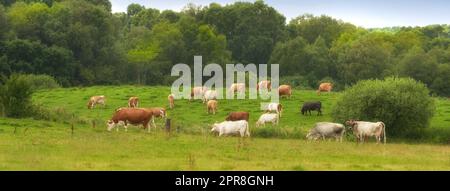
(237, 123)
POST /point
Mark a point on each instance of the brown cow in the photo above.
(324, 87)
(133, 102)
(285, 90)
(236, 116)
(133, 116)
(212, 106)
(171, 99)
(158, 112)
(96, 100)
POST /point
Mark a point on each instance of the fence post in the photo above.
(168, 125)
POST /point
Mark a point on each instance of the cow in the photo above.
(158, 112)
(276, 107)
(133, 102)
(363, 129)
(285, 90)
(212, 106)
(312, 106)
(198, 93)
(133, 116)
(232, 128)
(209, 95)
(236, 116)
(171, 99)
(237, 87)
(325, 130)
(264, 85)
(267, 118)
(324, 87)
(96, 100)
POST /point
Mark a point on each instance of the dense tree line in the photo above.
(80, 42)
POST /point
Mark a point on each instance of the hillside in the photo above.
(45, 145)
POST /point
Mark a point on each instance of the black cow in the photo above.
(312, 106)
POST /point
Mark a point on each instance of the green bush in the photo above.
(38, 82)
(403, 104)
(15, 97)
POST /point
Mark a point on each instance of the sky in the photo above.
(364, 13)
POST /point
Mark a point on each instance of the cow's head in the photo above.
(215, 127)
(110, 125)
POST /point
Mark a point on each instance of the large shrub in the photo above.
(15, 97)
(42, 81)
(403, 104)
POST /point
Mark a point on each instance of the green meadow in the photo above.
(75, 138)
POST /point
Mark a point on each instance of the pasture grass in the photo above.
(28, 144)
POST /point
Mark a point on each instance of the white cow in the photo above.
(232, 128)
(276, 107)
(237, 87)
(267, 118)
(363, 129)
(327, 129)
(198, 93)
(209, 95)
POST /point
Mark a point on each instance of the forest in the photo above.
(82, 43)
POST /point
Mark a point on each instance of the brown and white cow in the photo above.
(363, 129)
(324, 87)
(198, 92)
(285, 90)
(96, 100)
(237, 87)
(236, 116)
(133, 102)
(212, 106)
(264, 85)
(132, 116)
(171, 99)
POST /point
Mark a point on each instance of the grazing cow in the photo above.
(324, 87)
(264, 85)
(236, 116)
(171, 99)
(134, 116)
(285, 90)
(133, 102)
(96, 100)
(325, 129)
(209, 95)
(276, 107)
(267, 118)
(212, 106)
(232, 128)
(237, 87)
(312, 106)
(158, 112)
(363, 129)
(198, 92)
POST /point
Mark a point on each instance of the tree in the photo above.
(441, 84)
(367, 57)
(311, 27)
(252, 29)
(402, 104)
(3, 23)
(134, 9)
(418, 65)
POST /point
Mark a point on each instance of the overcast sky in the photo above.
(365, 13)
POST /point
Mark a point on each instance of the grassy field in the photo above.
(27, 144)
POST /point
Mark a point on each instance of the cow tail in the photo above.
(384, 132)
